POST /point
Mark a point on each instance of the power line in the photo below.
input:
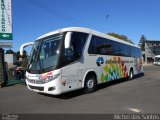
(54, 12)
(106, 19)
(60, 15)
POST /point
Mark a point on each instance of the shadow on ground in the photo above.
(76, 93)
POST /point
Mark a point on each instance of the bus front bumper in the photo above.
(47, 88)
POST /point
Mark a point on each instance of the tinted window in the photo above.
(77, 43)
(100, 46)
(73, 53)
(113, 48)
(128, 51)
(104, 46)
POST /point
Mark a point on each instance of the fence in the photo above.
(14, 77)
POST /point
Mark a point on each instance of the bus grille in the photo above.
(37, 88)
(36, 81)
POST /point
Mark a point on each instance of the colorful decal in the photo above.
(49, 76)
(114, 69)
(138, 64)
(46, 76)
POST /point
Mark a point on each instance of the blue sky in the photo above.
(32, 18)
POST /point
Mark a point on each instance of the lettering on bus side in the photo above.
(114, 68)
(100, 61)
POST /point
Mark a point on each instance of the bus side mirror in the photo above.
(67, 42)
(25, 45)
(22, 49)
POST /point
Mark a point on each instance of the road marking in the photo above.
(135, 110)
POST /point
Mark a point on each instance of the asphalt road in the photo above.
(141, 95)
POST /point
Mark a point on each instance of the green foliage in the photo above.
(142, 42)
(10, 52)
(24, 54)
(24, 63)
(24, 59)
(122, 37)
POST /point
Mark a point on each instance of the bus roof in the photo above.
(86, 30)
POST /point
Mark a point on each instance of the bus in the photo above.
(74, 58)
(156, 60)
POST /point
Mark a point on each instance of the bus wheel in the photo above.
(90, 84)
(131, 74)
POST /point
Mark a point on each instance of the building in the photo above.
(10, 59)
(152, 48)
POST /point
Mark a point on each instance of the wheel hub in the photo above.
(90, 83)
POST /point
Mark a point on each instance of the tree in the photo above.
(24, 54)
(24, 62)
(122, 37)
(10, 52)
(142, 42)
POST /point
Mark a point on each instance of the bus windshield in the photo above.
(45, 54)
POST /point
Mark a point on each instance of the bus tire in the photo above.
(131, 74)
(90, 84)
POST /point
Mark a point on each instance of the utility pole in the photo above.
(106, 20)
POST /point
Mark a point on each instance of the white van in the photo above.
(156, 60)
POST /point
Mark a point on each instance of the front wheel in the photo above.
(90, 84)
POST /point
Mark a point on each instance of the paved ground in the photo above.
(139, 95)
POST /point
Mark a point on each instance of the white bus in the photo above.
(73, 58)
(156, 60)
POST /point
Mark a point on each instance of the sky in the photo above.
(33, 18)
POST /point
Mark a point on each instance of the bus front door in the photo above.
(69, 77)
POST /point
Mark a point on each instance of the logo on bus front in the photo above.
(46, 76)
(49, 76)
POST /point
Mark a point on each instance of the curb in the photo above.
(147, 64)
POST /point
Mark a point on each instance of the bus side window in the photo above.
(78, 41)
(92, 46)
(100, 46)
(76, 48)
